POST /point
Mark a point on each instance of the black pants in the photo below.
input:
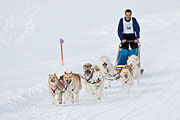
(126, 44)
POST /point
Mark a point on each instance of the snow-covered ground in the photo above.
(30, 50)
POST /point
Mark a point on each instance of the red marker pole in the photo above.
(61, 42)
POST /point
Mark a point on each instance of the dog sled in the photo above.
(118, 67)
(130, 52)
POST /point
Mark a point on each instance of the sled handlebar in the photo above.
(130, 41)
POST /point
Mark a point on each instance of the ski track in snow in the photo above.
(18, 24)
(157, 96)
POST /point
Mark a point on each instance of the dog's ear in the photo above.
(64, 72)
(84, 65)
(71, 72)
(90, 65)
(61, 77)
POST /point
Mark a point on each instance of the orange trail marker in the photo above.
(61, 42)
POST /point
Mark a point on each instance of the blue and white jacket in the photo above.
(135, 27)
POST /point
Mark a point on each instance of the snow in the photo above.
(30, 50)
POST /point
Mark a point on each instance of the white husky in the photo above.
(107, 70)
(97, 82)
(126, 77)
(134, 62)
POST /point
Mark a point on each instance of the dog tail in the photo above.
(95, 67)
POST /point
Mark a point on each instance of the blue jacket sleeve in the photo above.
(120, 29)
(136, 28)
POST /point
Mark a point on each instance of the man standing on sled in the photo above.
(129, 34)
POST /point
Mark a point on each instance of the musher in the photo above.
(129, 34)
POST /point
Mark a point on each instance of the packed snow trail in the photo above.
(29, 53)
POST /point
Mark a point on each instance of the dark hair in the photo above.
(128, 10)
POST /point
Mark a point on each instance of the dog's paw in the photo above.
(53, 103)
(91, 93)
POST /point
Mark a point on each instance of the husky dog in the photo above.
(107, 70)
(126, 77)
(134, 62)
(72, 84)
(87, 76)
(97, 82)
(55, 88)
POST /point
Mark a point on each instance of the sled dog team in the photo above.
(95, 79)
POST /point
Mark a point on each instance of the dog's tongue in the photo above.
(126, 76)
(65, 83)
(87, 74)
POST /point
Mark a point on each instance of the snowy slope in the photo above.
(29, 51)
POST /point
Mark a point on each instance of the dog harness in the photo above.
(114, 75)
(54, 90)
(88, 78)
(108, 73)
(99, 81)
(126, 81)
(64, 90)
